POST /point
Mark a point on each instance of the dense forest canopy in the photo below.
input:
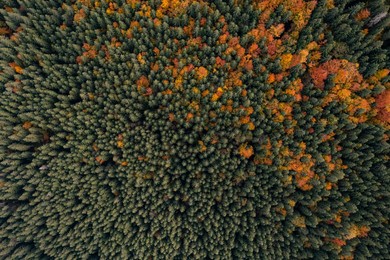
(194, 129)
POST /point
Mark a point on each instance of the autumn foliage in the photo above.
(194, 129)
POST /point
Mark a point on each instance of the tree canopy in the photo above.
(194, 129)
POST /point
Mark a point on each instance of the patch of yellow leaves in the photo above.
(286, 61)
(245, 150)
(217, 94)
(27, 125)
(17, 68)
(80, 15)
(299, 222)
(203, 147)
(202, 72)
(356, 231)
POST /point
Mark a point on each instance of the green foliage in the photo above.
(194, 130)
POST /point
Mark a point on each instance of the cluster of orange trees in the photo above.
(194, 129)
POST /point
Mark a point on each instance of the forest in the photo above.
(194, 129)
